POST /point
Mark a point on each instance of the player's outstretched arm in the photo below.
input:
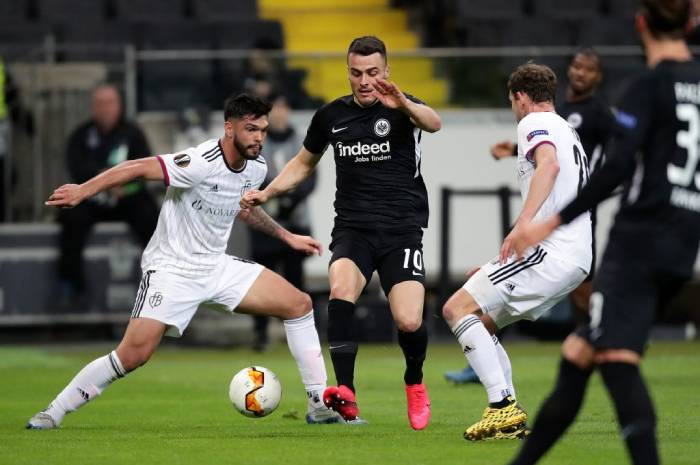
(546, 171)
(424, 117)
(256, 218)
(503, 149)
(293, 173)
(70, 195)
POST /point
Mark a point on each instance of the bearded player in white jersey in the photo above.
(552, 168)
(185, 266)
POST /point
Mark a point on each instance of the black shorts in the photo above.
(626, 296)
(396, 255)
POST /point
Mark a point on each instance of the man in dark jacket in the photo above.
(98, 144)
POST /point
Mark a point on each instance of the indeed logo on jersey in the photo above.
(537, 132)
(359, 148)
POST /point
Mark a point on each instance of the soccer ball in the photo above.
(255, 391)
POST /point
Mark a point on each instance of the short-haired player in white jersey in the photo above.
(185, 266)
(551, 169)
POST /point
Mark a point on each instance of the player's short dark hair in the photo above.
(241, 105)
(667, 18)
(367, 45)
(537, 81)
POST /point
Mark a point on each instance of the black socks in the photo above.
(635, 411)
(556, 414)
(342, 340)
(414, 346)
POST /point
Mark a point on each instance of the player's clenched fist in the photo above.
(66, 196)
(502, 149)
(253, 198)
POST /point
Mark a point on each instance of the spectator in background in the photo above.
(11, 113)
(290, 210)
(105, 140)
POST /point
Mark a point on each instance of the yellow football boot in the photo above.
(509, 422)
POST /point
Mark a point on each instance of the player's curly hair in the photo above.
(241, 105)
(667, 18)
(537, 81)
(367, 45)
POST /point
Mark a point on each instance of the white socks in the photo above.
(305, 347)
(482, 355)
(87, 384)
(505, 364)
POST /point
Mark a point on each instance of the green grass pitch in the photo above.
(176, 410)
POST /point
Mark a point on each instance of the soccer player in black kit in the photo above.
(653, 243)
(381, 209)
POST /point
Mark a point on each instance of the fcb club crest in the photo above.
(246, 187)
(382, 127)
(155, 300)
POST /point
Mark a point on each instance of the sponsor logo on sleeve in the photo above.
(182, 160)
(625, 119)
(537, 132)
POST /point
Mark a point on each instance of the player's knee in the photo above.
(343, 291)
(409, 324)
(452, 312)
(300, 305)
(578, 351)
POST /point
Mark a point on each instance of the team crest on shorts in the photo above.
(155, 300)
(182, 160)
(382, 127)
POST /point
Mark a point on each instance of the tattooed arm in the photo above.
(256, 218)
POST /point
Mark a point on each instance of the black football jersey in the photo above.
(654, 154)
(377, 158)
(592, 119)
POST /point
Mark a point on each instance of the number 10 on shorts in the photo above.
(417, 260)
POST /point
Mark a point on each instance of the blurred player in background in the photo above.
(652, 245)
(100, 143)
(592, 119)
(185, 265)
(381, 209)
(551, 169)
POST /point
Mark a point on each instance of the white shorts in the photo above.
(173, 299)
(523, 290)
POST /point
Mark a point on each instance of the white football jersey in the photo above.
(200, 206)
(572, 242)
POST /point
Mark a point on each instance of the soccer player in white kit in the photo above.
(185, 266)
(552, 168)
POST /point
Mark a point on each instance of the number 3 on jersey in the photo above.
(417, 261)
(689, 140)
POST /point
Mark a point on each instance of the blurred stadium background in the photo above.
(173, 59)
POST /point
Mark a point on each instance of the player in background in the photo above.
(592, 119)
(185, 266)
(381, 209)
(652, 245)
(551, 168)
